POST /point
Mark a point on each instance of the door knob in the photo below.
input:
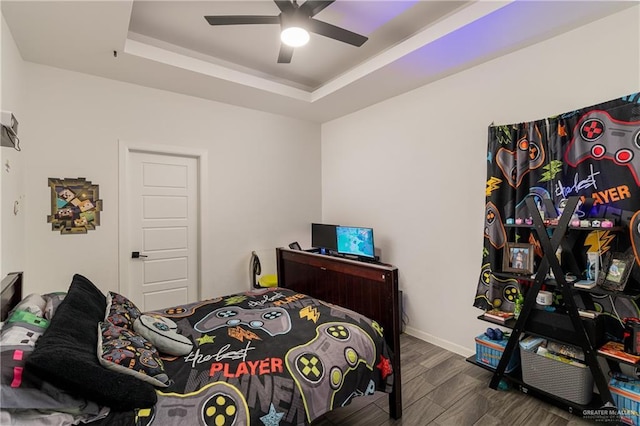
(137, 255)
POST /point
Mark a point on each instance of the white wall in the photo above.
(264, 174)
(413, 167)
(12, 226)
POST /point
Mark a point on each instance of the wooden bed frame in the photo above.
(370, 289)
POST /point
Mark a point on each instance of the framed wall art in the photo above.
(617, 267)
(75, 205)
(518, 258)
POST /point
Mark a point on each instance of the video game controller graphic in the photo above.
(622, 306)
(319, 369)
(503, 293)
(598, 136)
(274, 321)
(217, 404)
(118, 355)
(484, 282)
(485, 276)
(342, 313)
(493, 228)
(516, 164)
(184, 310)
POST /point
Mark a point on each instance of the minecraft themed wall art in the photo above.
(75, 205)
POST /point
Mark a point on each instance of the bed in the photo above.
(264, 357)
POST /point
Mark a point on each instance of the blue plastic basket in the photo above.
(489, 352)
(626, 396)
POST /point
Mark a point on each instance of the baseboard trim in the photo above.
(445, 344)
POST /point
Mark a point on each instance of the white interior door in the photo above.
(163, 228)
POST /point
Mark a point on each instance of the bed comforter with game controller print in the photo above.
(264, 357)
(269, 357)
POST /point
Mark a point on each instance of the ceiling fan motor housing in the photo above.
(292, 15)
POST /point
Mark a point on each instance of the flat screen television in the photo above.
(323, 236)
(356, 241)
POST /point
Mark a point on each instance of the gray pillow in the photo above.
(163, 334)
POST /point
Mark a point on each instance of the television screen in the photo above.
(323, 236)
(355, 241)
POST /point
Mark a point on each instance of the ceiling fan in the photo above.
(295, 20)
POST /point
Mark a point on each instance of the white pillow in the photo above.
(163, 334)
(33, 303)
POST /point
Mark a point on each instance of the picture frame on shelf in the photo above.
(616, 270)
(518, 258)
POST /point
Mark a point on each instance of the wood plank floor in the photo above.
(440, 388)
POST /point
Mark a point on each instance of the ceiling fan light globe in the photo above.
(294, 36)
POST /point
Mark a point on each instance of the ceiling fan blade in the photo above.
(313, 7)
(336, 33)
(242, 19)
(286, 52)
(284, 5)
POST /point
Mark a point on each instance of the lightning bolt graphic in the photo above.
(310, 313)
(599, 241)
(537, 248)
(503, 135)
(551, 171)
(235, 299)
(562, 130)
(241, 334)
(493, 184)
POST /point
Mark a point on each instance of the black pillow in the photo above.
(66, 354)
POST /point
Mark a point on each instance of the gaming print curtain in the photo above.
(591, 152)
